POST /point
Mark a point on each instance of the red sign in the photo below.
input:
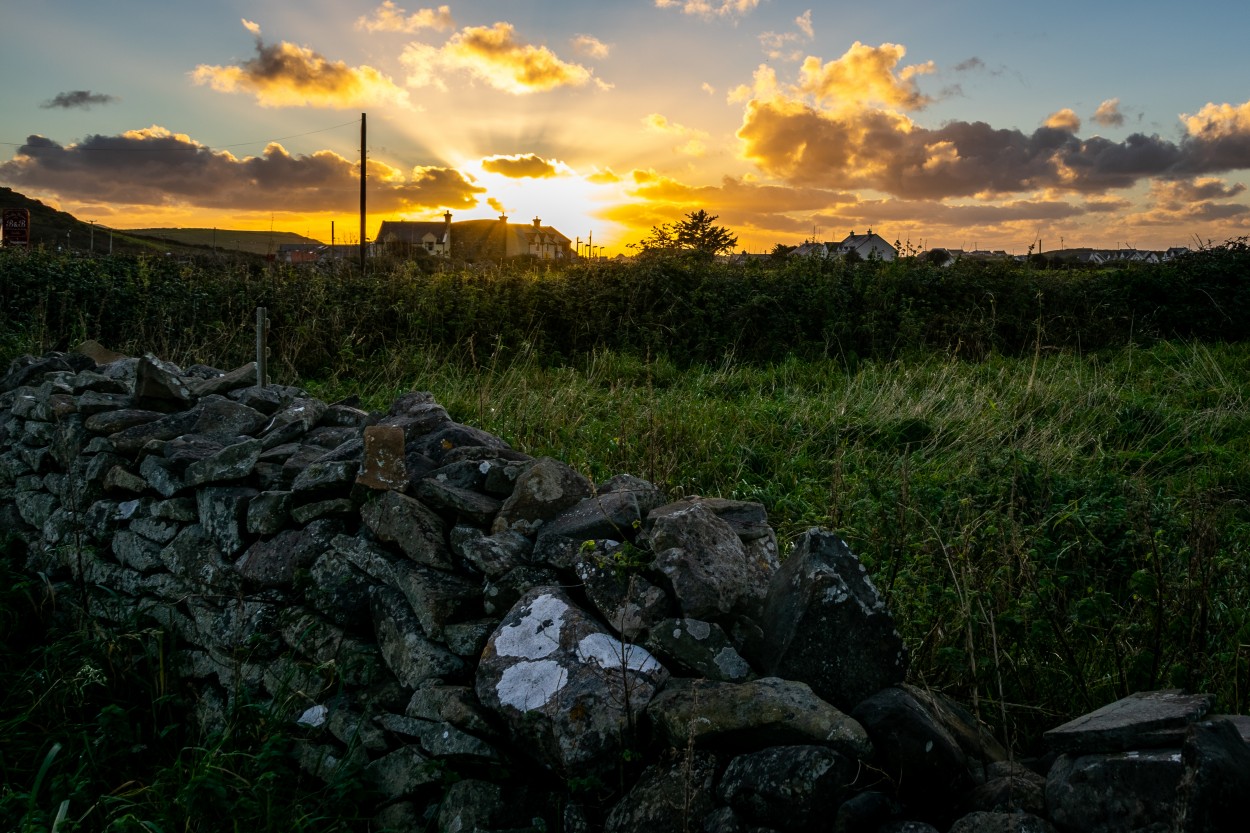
(16, 227)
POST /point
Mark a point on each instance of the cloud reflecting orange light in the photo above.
(390, 18)
(287, 75)
(495, 56)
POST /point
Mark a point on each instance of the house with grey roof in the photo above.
(867, 246)
(404, 237)
(475, 240)
(864, 246)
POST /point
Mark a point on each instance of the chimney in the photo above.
(446, 231)
(503, 218)
(537, 223)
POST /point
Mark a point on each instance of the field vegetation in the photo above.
(1046, 471)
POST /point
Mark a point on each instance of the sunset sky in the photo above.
(962, 124)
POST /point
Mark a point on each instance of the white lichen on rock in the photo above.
(610, 652)
(731, 664)
(537, 634)
(527, 686)
(697, 628)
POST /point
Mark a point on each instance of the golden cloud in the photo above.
(1108, 113)
(765, 214)
(710, 8)
(843, 124)
(437, 187)
(790, 139)
(865, 74)
(287, 75)
(529, 166)
(390, 18)
(734, 194)
(1064, 119)
(494, 56)
(1219, 121)
(748, 207)
(590, 46)
(603, 177)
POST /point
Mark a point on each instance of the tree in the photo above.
(697, 232)
(780, 253)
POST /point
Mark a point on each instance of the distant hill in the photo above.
(225, 240)
(54, 229)
(51, 228)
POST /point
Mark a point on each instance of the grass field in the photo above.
(1053, 527)
(1052, 531)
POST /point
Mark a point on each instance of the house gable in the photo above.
(402, 236)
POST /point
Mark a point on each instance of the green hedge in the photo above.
(686, 309)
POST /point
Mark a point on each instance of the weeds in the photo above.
(91, 738)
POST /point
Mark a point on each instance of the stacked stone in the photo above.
(420, 600)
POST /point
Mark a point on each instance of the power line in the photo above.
(292, 136)
(137, 149)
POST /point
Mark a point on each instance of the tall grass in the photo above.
(1052, 531)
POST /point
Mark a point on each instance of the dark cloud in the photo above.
(883, 150)
(82, 99)
(970, 64)
(1207, 189)
(970, 215)
(1175, 205)
(1185, 202)
(157, 168)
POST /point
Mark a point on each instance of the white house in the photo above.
(868, 246)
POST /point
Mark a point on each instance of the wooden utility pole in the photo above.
(262, 347)
(362, 193)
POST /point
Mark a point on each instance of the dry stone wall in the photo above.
(498, 643)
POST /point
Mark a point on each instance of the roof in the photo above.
(477, 239)
(408, 231)
(809, 249)
(854, 241)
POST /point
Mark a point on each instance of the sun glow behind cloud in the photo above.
(526, 187)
